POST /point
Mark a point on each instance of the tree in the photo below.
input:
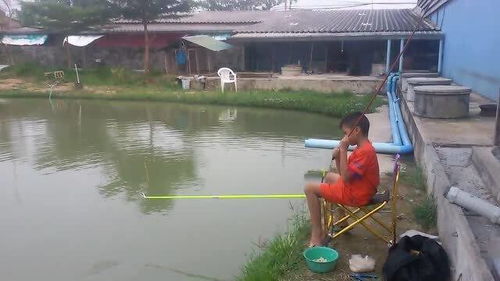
(6, 8)
(147, 11)
(66, 16)
(238, 5)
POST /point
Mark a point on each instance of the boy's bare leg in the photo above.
(339, 212)
(312, 191)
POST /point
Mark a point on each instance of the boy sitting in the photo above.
(358, 177)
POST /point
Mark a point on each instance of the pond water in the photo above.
(72, 172)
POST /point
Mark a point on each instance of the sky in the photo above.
(350, 4)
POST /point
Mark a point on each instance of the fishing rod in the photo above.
(226, 196)
(291, 196)
(381, 85)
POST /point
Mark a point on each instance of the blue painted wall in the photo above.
(471, 54)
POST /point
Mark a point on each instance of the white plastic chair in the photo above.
(227, 76)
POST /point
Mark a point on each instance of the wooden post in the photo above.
(197, 61)
(496, 141)
(311, 57)
(289, 53)
(326, 58)
(209, 65)
(244, 59)
(273, 57)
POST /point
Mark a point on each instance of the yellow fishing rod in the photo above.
(225, 196)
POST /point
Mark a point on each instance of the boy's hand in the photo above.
(344, 143)
(335, 153)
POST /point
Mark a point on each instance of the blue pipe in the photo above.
(407, 147)
(396, 136)
(401, 142)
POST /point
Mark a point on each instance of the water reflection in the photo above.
(72, 173)
(140, 147)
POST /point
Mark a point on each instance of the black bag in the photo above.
(416, 258)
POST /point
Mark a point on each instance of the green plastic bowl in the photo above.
(312, 254)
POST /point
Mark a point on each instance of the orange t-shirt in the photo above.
(364, 178)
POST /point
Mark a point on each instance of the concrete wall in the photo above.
(53, 54)
(472, 39)
(358, 86)
(454, 229)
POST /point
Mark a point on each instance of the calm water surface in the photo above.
(71, 174)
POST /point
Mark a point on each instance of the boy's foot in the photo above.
(314, 243)
(319, 241)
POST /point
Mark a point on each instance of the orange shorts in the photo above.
(339, 193)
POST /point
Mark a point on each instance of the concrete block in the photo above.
(442, 101)
(415, 82)
(406, 75)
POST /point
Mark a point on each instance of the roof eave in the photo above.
(430, 35)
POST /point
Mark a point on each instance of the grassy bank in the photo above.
(280, 255)
(424, 209)
(121, 84)
(336, 104)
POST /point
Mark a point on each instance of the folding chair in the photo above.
(361, 215)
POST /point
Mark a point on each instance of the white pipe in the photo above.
(401, 58)
(475, 204)
(440, 56)
(388, 57)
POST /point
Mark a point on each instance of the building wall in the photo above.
(472, 38)
(55, 56)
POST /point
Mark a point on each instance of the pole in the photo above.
(496, 141)
(311, 57)
(77, 76)
(440, 56)
(388, 56)
(401, 47)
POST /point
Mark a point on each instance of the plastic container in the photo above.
(186, 84)
(328, 254)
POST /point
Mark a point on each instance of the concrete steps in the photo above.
(488, 167)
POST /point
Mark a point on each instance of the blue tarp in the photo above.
(24, 40)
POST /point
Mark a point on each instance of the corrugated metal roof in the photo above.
(429, 6)
(327, 36)
(353, 22)
(171, 27)
(295, 21)
(214, 17)
(341, 21)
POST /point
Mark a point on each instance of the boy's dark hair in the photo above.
(350, 120)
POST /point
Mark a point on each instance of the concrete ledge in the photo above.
(357, 85)
(489, 169)
(453, 227)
